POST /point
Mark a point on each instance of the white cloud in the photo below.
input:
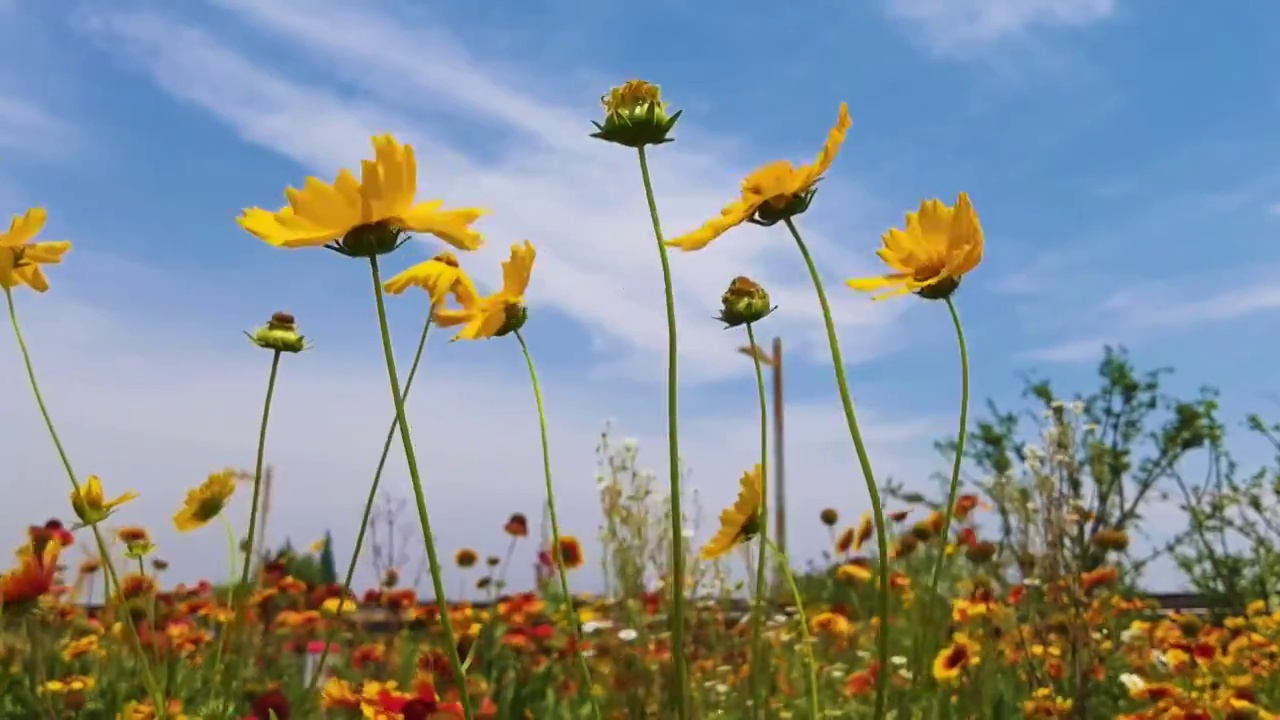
(579, 199)
(1155, 308)
(1073, 351)
(959, 27)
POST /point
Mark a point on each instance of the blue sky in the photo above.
(1120, 156)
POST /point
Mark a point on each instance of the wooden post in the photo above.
(779, 487)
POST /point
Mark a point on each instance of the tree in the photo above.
(328, 570)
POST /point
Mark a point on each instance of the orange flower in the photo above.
(32, 577)
(569, 552)
(517, 525)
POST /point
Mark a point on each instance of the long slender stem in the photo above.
(555, 525)
(112, 577)
(877, 507)
(239, 591)
(798, 599)
(953, 490)
(368, 506)
(411, 459)
(757, 620)
(673, 451)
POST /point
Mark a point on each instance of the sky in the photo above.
(1128, 190)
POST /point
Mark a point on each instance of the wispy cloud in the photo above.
(1074, 351)
(958, 28)
(1148, 310)
(581, 201)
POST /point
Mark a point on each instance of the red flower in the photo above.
(32, 577)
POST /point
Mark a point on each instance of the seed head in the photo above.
(280, 334)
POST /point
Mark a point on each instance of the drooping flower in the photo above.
(938, 246)
(20, 259)
(363, 217)
(204, 502)
(517, 525)
(91, 505)
(740, 522)
(772, 193)
(32, 577)
(439, 276)
(493, 315)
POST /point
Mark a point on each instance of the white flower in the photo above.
(1132, 682)
(593, 625)
(627, 635)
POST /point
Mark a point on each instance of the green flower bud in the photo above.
(370, 240)
(280, 334)
(635, 116)
(516, 316)
(744, 302)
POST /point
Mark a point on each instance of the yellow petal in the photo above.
(32, 276)
(25, 227)
(445, 317)
(451, 226)
(283, 229)
(731, 216)
(835, 139)
(46, 253)
(516, 271)
(323, 205)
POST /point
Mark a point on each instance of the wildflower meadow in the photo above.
(1014, 592)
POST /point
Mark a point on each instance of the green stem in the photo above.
(757, 620)
(555, 526)
(240, 589)
(798, 599)
(112, 577)
(954, 488)
(673, 451)
(877, 508)
(411, 459)
(368, 507)
(226, 631)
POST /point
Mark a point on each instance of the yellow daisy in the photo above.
(740, 522)
(773, 192)
(90, 503)
(20, 259)
(327, 214)
(439, 276)
(497, 314)
(203, 503)
(938, 246)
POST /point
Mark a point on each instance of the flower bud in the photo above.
(744, 302)
(635, 116)
(280, 334)
(829, 517)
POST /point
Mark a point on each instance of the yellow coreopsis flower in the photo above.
(20, 259)
(740, 522)
(938, 246)
(363, 217)
(439, 276)
(203, 503)
(493, 315)
(90, 503)
(773, 192)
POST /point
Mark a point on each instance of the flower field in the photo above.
(1014, 593)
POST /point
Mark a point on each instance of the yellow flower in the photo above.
(497, 314)
(740, 522)
(635, 116)
(952, 660)
(380, 205)
(91, 505)
(20, 259)
(439, 276)
(338, 606)
(206, 501)
(773, 192)
(939, 245)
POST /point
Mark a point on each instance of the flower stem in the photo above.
(368, 506)
(953, 490)
(240, 590)
(673, 451)
(555, 526)
(757, 620)
(877, 508)
(411, 459)
(112, 577)
(798, 599)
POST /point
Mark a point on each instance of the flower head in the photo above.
(635, 116)
(90, 503)
(772, 193)
(740, 522)
(929, 257)
(20, 259)
(204, 502)
(439, 276)
(280, 334)
(466, 557)
(32, 577)
(137, 541)
(364, 217)
(744, 302)
(568, 552)
(500, 313)
(517, 525)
